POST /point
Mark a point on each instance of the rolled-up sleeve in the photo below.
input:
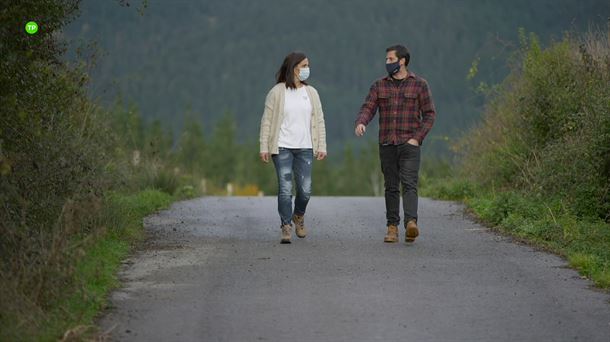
(428, 113)
(369, 107)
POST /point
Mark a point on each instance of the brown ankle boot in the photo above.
(299, 225)
(392, 234)
(412, 231)
(286, 233)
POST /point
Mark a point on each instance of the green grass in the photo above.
(541, 222)
(96, 271)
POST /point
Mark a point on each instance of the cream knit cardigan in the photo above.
(273, 116)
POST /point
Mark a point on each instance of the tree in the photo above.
(222, 155)
(192, 147)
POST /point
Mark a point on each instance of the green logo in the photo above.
(31, 27)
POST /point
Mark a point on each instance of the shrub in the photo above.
(547, 129)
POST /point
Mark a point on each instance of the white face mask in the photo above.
(304, 74)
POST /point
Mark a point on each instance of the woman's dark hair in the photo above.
(286, 72)
(401, 52)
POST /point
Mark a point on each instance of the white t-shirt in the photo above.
(295, 131)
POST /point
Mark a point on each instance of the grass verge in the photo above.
(72, 318)
(541, 222)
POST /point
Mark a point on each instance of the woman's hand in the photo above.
(265, 156)
(320, 155)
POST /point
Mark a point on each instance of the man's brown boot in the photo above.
(299, 225)
(412, 231)
(392, 235)
(286, 233)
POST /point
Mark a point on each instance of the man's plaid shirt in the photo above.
(405, 109)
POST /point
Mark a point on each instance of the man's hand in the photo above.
(265, 156)
(413, 142)
(360, 129)
(321, 155)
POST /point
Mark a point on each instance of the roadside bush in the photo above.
(53, 154)
(547, 130)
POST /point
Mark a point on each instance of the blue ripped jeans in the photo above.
(287, 163)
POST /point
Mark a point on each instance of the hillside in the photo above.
(215, 56)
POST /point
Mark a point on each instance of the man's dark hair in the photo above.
(401, 52)
(286, 72)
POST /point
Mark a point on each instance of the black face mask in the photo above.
(392, 68)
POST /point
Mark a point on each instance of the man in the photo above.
(406, 115)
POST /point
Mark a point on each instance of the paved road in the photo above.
(214, 271)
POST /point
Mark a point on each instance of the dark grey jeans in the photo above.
(400, 166)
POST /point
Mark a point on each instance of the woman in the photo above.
(292, 132)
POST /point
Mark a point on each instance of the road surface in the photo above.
(213, 270)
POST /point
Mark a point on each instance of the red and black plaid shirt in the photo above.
(405, 109)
